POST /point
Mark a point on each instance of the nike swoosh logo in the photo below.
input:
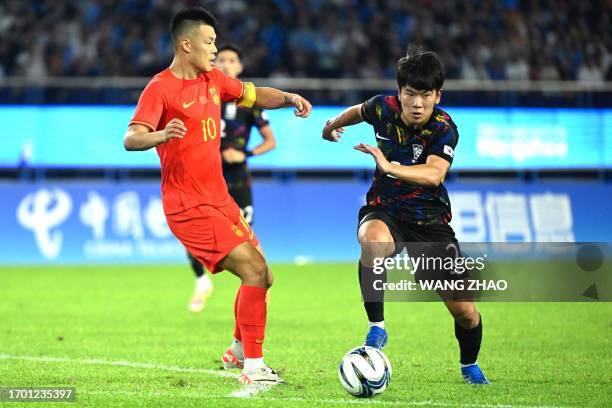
(380, 137)
(258, 341)
(186, 105)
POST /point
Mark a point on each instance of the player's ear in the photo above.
(438, 96)
(185, 45)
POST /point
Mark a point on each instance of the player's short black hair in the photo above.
(420, 70)
(189, 17)
(231, 47)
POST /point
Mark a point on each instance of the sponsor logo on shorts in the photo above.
(237, 231)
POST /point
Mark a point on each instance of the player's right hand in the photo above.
(174, 128)
(332, 134)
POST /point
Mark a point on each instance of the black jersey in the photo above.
(236, 125)
(409, 146)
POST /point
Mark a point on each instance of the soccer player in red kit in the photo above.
(179, 114)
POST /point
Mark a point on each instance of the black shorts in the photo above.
(244, 198)
(427, 241)
(402, 231)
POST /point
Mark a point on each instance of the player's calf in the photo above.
(464, 313)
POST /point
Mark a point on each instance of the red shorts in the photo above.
(211, 233)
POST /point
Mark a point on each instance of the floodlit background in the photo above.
(90, 273)
(527, 86)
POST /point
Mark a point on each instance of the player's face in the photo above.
(417, 106)
(229, 62)
(202, 48)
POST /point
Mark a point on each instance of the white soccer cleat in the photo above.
(201, 293)
(230, 361)
(261, 375)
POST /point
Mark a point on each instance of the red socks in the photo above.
(251, 318)
(237, 335)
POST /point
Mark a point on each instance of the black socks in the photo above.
(373, 299)
(469, 342)
(197, 267)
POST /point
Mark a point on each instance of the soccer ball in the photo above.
(364, 371)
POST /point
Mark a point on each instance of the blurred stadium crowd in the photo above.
(477, 39)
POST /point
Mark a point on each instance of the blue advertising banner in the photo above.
(490, 138)
(301, 221)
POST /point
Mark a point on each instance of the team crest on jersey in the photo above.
(237, 231)
(417, 149)
(215, 95)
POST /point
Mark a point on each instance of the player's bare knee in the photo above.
(258, 271)
(375, 243)
(465, 314)
(374, 235)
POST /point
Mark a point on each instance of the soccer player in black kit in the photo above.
(236, 125)
(407, 201)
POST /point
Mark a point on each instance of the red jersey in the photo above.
(191, 166)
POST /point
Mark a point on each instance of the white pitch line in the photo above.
(249, 391)
(243, 393)
(131, 364)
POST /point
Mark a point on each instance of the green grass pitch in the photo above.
(122, 336)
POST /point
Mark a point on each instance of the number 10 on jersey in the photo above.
(209, 129)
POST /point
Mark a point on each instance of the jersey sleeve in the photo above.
(230, 89)
(371, 110)
(150, 107)
(444, 145)
(260, 118)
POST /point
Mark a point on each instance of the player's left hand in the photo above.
(231, 155)
(303, 107)
(381, 161)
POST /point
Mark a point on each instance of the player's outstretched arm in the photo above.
(335, 126)
(140, 137)
(272, 98)
(430, 174)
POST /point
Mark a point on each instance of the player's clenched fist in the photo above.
(174, 128)
(332, 133)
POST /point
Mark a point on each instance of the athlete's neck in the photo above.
(183, 70)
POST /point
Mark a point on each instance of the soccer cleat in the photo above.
(472, 374)
(198, 301)
(230, 361)
(376, 337)
(261, 375)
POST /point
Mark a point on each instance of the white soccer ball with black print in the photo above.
(365, 371)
